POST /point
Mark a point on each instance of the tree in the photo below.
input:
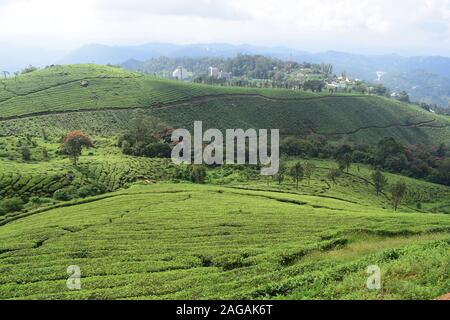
(73, 144)
(404, 97)
(281, 173)
(442, 172)
(344, 157)
(441, 151)
(398, 191)
(297, 172)
(45, 156)
(380, 90)
(314, 85)
(29, 69)
(379, 181)
(333, 174)
(26, 153)
(198, 173)
(345, 161)
(5, 73)
(309, 169)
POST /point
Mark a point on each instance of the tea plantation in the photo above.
(102, 100)
(137, 229)
(194, 242)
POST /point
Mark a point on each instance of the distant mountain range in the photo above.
(102, 54)
(424, 78)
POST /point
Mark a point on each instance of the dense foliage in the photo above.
(147, 137)
(418, 161)
(254, 71)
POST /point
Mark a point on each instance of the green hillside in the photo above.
(56, 97)
(159, 242)
(139, 229)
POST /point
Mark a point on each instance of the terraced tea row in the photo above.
(90, 87)
(360, 117)
(27, 180)
(160, 242)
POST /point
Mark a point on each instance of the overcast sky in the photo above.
(378, 26)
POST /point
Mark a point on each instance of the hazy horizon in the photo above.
(366, 27)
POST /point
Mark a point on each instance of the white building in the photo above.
(224, 75)
(213, 72)
(180, 73)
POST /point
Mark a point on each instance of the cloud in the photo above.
(211, 9)
(348, 25)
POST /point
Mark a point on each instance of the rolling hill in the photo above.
(102, 100)
(159, 242)
(418, 75)
(149, 234)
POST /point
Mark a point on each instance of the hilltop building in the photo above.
(224, 75)
(180, 73)
(213, 72)
(219, 74)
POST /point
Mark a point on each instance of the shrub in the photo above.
(45, 156)
(26, 154)
(39, 201)
(36, 200)
(198, 174)
(65, 194)
(84, 192)
(229, 262)
(12, 205)
(157, 150)
(2, 211)
(333, 174)
(91, 190)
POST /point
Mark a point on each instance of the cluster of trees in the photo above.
(398, 189)
(314, 85)
(147, 137)
(247, 71)
(417, 161)
(86, 190)
(243, 65)
(298, 172)
(257, 71)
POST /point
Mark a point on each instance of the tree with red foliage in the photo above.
(74, 142)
